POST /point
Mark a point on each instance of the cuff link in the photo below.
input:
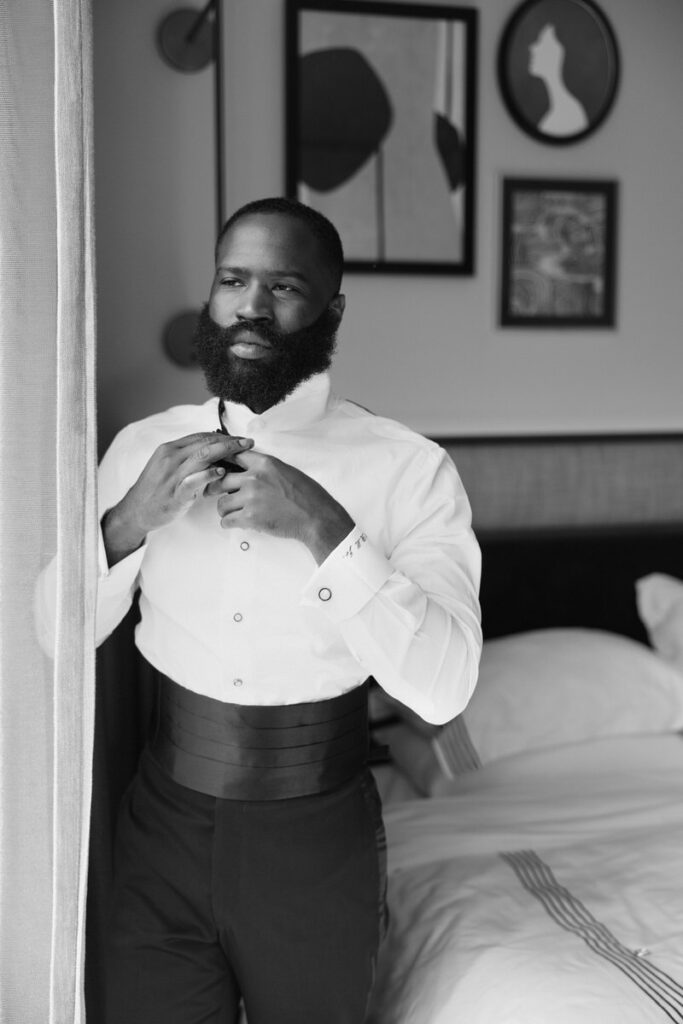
(324, 593)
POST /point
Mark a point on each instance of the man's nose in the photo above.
(256, 304)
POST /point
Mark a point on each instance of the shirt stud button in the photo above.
(237, 682)
(324, 593)
(244, 545)
(237, 617)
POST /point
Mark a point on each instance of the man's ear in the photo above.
(338, 304)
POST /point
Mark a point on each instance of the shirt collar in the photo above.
(305, 405)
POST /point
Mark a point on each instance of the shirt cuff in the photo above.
(130, 564)
(348, 578)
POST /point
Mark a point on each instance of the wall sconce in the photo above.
(178, 336)
(187, 38)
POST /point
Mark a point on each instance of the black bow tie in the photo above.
(221, 410)
(229, 467)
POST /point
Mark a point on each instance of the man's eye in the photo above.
(231, 282)
(285, 288)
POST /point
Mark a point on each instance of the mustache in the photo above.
(276, 339)
(321, 331)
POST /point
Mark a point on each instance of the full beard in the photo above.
(262, 383)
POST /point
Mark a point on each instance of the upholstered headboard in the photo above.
(567, 524)
(530, 483)
(573, 577)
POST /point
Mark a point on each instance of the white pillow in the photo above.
(660, 606)
(546, 687)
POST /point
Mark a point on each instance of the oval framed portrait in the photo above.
(558, 69)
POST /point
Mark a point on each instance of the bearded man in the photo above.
(287, 545)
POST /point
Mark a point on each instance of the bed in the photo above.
(536, 843)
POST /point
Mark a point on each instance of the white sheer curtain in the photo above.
(47, 502)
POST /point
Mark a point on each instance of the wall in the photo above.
(155, 209)
(426, 350)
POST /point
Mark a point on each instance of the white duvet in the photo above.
(546, 889)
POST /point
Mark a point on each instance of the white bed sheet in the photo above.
(543, 889)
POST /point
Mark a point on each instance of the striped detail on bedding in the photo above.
(569, 913)
(455, 750)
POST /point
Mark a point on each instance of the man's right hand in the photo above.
(175, 476)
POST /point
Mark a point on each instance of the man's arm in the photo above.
(412, 619)
(175, 476)
(274, 497)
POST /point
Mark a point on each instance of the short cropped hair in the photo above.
(319, 226)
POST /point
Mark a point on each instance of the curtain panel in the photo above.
(47, 503)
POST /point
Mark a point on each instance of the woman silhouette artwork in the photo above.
(565, 116)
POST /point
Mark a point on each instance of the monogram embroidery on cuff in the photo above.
(353, 547)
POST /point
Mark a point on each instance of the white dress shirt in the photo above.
(249, 618)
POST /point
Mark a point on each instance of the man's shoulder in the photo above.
(169, 424)
(383, 428)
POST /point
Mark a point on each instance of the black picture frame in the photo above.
(558, 69)
(558, 263)
(381, 129)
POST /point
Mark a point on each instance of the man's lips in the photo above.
(250, 336)
(249, 346)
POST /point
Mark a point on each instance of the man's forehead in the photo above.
(272, 231)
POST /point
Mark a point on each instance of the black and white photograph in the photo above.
(341, 519)
(558, 253)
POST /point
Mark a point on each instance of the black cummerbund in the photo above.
(255, 752)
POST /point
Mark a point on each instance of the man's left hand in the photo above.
(274, 497)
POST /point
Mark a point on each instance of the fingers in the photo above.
(230, 501)
(225, 483)
(209, 448)
(196, 484)
(255, 460)
(246, 460)
(192, 440)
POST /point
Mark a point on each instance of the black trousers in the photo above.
(280, 903)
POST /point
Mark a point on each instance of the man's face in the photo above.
(272, 313)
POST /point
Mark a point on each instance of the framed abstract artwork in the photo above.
(558, 253)
(380, 117)
(558, 69)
